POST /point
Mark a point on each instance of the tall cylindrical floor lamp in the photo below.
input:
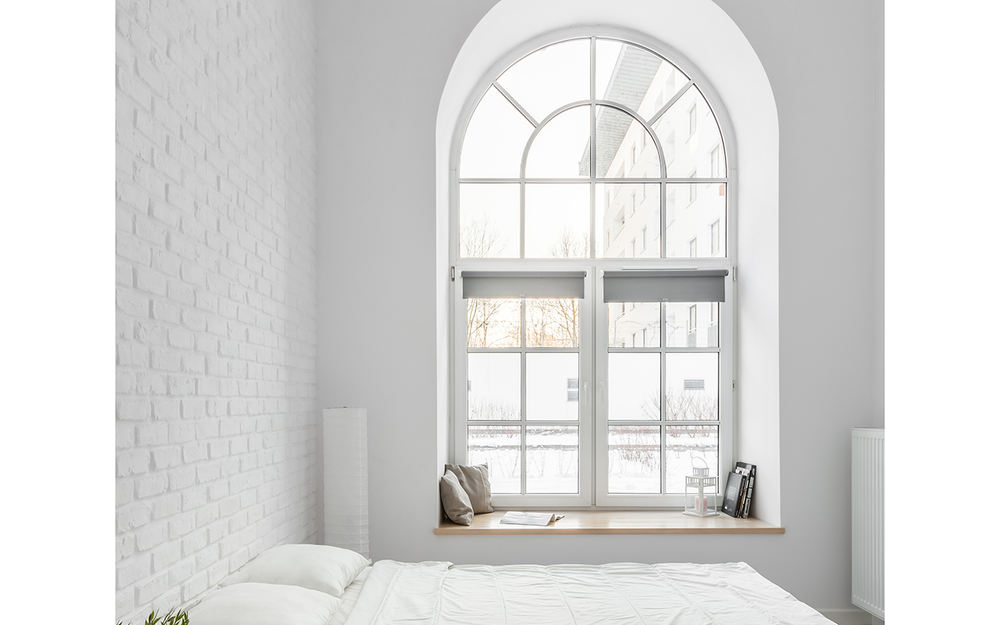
(345, 478)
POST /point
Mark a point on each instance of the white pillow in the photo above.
(264, 604)
(318, 567)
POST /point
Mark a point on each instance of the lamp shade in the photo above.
(345, 478)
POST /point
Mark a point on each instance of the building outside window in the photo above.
(573, 369)
(692, 326)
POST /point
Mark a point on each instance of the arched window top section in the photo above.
(592, 147)
(630, 90)
(549, 78)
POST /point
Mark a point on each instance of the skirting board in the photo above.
(852, 616)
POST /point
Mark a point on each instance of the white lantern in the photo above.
(345, 478)
(700, 491)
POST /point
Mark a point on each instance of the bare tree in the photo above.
(481, 239)
(640, 446)
(682, 406)
(487, 325)
(570, 244)
(556, 322)
(483, 409)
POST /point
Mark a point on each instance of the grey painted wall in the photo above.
(381, 68)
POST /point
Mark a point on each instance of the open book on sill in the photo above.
(530, 518)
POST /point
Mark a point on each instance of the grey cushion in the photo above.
(476, 482)
(455, 500)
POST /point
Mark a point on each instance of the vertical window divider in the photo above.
(593, 146)
(524, 396)
(663, 220)
(663, 399)
(521, 213)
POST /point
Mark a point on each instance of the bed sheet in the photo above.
(439, 593)
(350, 597)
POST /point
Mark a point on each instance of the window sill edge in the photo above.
(612, 522)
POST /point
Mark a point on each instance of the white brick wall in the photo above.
(216, 291)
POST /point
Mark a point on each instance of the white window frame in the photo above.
(726, 423)
(586, 377)
(593, 420)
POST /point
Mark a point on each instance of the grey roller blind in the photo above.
(534, 284)
(708, 285)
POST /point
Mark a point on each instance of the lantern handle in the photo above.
(701, 459)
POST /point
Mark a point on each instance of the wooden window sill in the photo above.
(613, 522)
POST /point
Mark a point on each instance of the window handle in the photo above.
(586, 392)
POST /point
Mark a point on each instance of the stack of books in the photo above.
(739, 490)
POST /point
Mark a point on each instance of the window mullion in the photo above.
(663, 408)
(593, 146)
(521, 194)
(524, 396)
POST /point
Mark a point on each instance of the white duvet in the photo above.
(439, 593)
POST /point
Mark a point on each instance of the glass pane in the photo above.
(624, 148)
(494, 387)
(635, 77)
(556, 220)
(553, 386)
(634, 459)
(553, 323)
(558, 149)
(628, 220)
(499, 447)
(553, 459)
(549, 78)
(493, 322)
(684, 443)
(633, 386)
(696, 220)
(692, 392)
(489, 220)
(495, 139)
(696, 136)
(692, 324)
(633, 324)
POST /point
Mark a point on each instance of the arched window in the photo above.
(593, 308)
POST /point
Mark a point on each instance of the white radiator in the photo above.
(868, 520)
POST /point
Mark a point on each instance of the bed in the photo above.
(305, 589)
